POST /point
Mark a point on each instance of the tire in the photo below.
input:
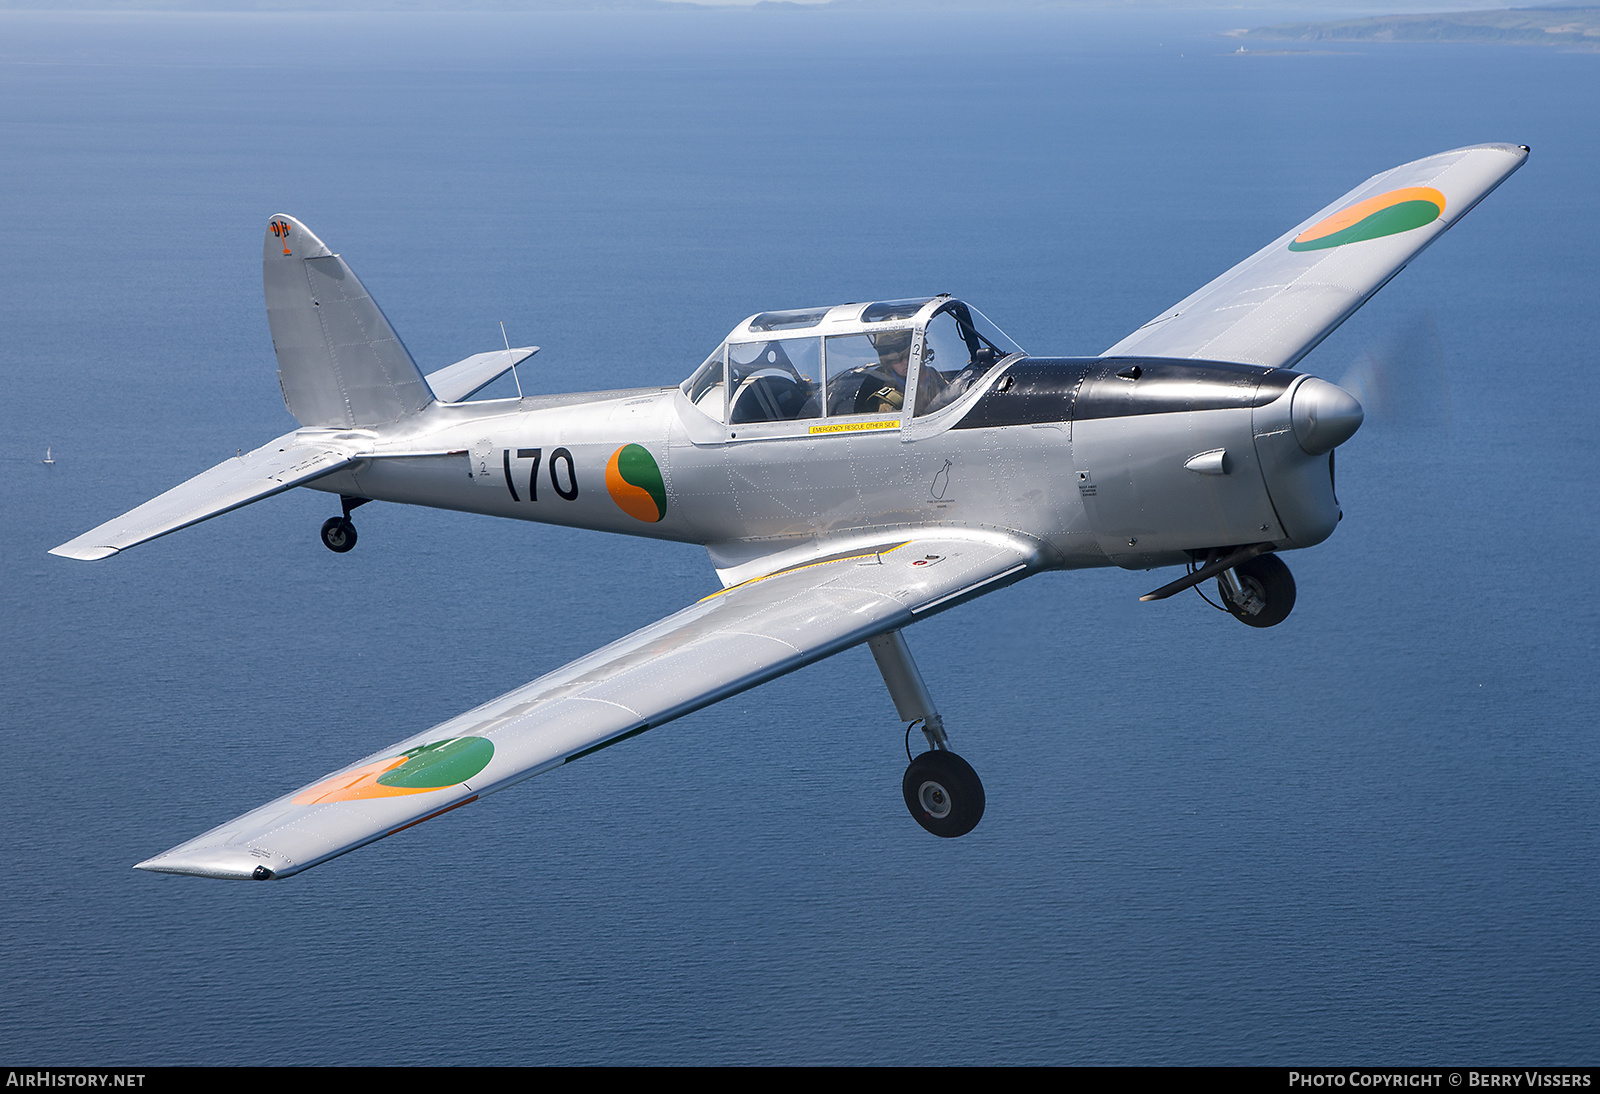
(944, 794)
(1269, 580)
(338, 535)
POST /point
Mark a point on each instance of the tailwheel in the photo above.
(338, 534)
(943, 793)
(1258, 593)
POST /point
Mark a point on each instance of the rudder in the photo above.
(340, 363)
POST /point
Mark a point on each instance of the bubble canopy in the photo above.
(850, 360)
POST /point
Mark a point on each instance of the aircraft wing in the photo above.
(730, 641)
(1275, 306)
(271, 469)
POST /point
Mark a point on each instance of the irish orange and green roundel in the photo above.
(432, 766)
(1385, 215)
(634, 482)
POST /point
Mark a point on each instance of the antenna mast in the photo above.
(507, 340)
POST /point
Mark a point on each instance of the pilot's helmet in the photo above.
(891, 343)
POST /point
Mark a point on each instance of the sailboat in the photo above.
(49, 461)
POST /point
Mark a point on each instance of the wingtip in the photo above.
(1518, 151)
(71, 549)
(214, 863)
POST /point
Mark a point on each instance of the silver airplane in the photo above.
(849, 470)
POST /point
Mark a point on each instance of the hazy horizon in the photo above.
(1328, 7)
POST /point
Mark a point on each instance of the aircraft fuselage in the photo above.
(1101, 461)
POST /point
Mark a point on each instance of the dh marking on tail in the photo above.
(280, 228)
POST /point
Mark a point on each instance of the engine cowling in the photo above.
(1295, 436)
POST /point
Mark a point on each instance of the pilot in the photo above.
(885, 391)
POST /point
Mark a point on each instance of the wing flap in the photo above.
(471, 375)
(271, 469)
(1275, 306)
(724, 644)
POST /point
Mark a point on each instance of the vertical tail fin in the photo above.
(340, 363)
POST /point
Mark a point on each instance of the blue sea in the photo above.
(1366, 836)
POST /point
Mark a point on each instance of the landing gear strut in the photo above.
(1257, 588)
(942, 791)
(338, 534)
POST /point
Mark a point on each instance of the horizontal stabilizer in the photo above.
(467, 377)
(1275, 306)
(340, 363)
(270, 469)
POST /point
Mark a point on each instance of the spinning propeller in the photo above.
(1400, 377)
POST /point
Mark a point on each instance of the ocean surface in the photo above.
(1367, 836)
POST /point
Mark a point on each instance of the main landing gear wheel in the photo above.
(338, 534)
(1265, 591)
(943, 793)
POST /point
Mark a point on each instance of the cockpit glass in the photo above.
(775, 381)
(794, 377)
(788, 320)
(956, 352)
(885, 311)
(705, 388)
(991, 333)
(867, 372)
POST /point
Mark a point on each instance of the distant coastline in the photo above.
(1575, 28)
